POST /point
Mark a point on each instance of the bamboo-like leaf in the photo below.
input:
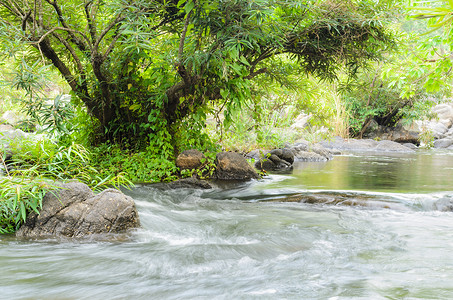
(23, 213)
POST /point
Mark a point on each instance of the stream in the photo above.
(362, 226)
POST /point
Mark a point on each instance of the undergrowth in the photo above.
(39, 167)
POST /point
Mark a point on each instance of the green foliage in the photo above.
(424, 61)
(138, 167)
(18, 197)
(36, 169)
(141, 68)
(41, 158)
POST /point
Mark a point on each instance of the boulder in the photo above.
(410, 146)
(438, 129)
(391, 147)
(256, 154)
(349, 145)
(233, 166)
(444, 112)
(281, 160)
(190, 159)
(272, 162)
(287, 155)
(364, 145)
(73, 210)
(190, 182)
(309, 156)
(443, 143)
(397, 134)
(444, 204)
(320, 150)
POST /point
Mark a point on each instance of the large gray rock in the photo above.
(365, 145)
(309, 156)
(73, 210)
(443, 143)
(391, 147)
(397, 134)
(444, 113)
(233, 166)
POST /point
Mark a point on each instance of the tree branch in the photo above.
(256, 73)
(112, 24)
(91, 23)
(72, 51)
(111, 46)
(52, 30)
(80, 44)
(183, 37)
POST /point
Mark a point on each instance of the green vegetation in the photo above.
(149, 79)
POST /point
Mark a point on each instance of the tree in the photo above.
(142, 68)
(427, 63)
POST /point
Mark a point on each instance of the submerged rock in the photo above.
(73, 210)
(444, 204)
(339, 198)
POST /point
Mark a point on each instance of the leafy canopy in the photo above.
(144, 68)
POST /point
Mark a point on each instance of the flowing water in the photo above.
(358, 227)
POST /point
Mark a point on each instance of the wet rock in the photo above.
(281, 160)
(190, 182)
(339, 198)
(444, 204)
(287, 155)
(282, 154)
(233, 166)
(190, 159)
(277, 152)
(273, 163)
(74, 210)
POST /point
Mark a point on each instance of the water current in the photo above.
(363, 226)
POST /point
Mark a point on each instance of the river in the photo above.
(364, 226)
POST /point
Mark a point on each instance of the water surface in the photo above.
(378, 231)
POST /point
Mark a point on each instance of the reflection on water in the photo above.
(421, 172)
(297, 236)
